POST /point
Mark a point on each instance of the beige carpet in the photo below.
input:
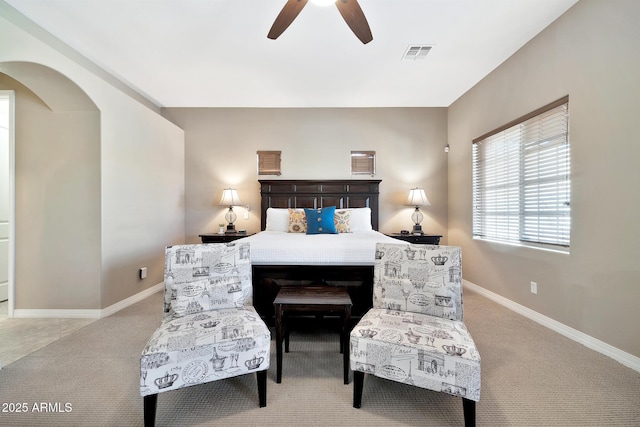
(530, 377)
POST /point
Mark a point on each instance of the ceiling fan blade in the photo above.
(286, 17)
(355, 19)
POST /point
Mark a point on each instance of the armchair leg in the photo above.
(469, 409)
(262, 387)
(150, 402)
(358, 383)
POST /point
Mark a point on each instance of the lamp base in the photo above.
(417, 229)
(231, 229)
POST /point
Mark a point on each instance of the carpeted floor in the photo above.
(531, 376)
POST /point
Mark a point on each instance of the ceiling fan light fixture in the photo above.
(349, 9)
(323, 2)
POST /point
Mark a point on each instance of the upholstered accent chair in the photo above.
(414, 333)
(210, 330)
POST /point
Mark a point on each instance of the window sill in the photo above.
(537, 246)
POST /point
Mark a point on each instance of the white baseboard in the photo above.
(621, 356)
(36, 313)
(86, 313)
(131, 300)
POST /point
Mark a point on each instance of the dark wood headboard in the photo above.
(341, 193)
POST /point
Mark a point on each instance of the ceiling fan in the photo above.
(349, 9)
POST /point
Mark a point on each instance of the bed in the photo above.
(281, 258)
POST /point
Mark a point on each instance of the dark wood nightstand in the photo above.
(419, 239)
(222, 238)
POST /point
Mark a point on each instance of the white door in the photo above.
(4, 196)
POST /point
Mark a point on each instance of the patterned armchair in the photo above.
(210, 330)
(414, 333)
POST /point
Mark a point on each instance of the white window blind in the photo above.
(269, 163)
(363, 163)
(521, 179)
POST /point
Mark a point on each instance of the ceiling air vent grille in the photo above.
(416, 52)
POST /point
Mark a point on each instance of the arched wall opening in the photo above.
(57, 187)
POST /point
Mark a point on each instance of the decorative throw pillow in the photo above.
(320, 221)
(342, 221)
(214, 293)
(297, 221)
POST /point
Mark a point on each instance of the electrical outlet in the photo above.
(534, 288)
(143, 273)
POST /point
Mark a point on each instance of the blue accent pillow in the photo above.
(320, 221)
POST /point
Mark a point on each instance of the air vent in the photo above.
(416, 52)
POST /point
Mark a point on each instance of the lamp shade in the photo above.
(230, 197)
(418, 198)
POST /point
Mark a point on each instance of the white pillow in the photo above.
(277, 219)
(360, 220)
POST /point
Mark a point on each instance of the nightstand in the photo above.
(222, 238)
(419, 239)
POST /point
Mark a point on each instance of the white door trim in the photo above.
(10, 94)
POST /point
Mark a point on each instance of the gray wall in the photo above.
(592, 54)
(221, 147)
(99, 181)
(99, 193)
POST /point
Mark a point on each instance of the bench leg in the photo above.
(262, 387)
(150, 402)
(344, 343)
(345, 365)
(279, 320)
(358, 383)
(287, 333)
(469, 409)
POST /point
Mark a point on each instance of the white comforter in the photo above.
(280, 248)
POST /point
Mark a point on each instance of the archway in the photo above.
(55, 248)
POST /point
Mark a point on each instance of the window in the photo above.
(269, 163)
(363, 163)
(521, 179)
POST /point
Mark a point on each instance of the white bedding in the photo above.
(281, 248)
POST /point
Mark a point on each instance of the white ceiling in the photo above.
(215, 53)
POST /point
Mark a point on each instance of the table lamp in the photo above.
(417, 198)
(230, 198)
